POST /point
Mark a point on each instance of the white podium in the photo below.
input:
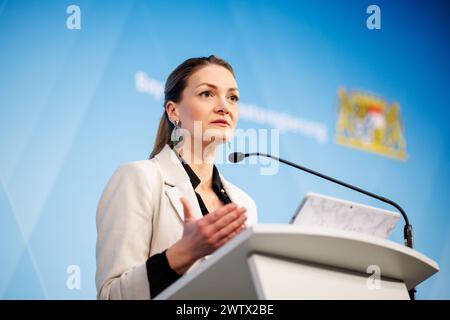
(298, 262)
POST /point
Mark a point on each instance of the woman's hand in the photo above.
(203, 236)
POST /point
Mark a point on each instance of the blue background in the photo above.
(70, 114)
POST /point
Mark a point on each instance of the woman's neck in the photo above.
(201, 160)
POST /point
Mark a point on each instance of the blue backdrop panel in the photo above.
(76, 103)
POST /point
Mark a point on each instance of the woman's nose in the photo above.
(221, 109)
(222, 106)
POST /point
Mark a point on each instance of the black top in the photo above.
(160, 274)
(216, 185)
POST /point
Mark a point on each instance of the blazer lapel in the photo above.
(183, 190)
(177, 182)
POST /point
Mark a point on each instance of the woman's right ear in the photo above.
(172, 111)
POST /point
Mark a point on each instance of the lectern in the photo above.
(268, 261)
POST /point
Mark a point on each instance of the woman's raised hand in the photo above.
(203, 236)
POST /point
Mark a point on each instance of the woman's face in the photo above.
(211, 94)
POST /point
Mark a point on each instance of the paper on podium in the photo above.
(323, 211)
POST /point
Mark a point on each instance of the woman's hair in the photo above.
(175, 84)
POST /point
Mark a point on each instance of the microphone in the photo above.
(407, 230)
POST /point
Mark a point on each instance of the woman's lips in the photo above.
(220, 123)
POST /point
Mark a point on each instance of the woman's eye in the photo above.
(206, 94)
(236, 98)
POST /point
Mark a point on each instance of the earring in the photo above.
(176, 137)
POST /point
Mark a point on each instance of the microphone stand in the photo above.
(407, 230)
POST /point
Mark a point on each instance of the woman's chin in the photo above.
(221, 135)
(217, 140)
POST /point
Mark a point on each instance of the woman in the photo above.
(158, 219)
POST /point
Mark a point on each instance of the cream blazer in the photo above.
(140, 214)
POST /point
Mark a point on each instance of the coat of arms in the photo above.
(369, 123)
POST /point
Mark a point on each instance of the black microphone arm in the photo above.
(407, 230)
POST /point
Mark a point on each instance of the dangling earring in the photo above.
(176, 137)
